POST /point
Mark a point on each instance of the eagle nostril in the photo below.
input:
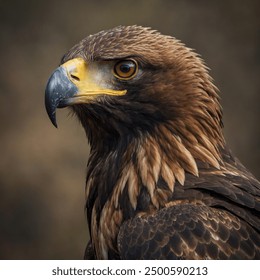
(75, 77)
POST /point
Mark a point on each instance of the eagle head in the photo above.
(130, 81)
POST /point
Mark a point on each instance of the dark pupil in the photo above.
(125, 68)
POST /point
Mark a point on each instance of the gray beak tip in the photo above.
(59, 88)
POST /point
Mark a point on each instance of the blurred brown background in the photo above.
(42, 169)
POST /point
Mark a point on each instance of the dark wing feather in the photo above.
(188, 232)
(89, 252)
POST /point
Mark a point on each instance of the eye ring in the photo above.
(126, 69)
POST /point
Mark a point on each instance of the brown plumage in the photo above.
(161, 182)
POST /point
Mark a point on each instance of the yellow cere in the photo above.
(82, 77)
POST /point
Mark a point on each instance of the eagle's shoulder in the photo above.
(188, 231)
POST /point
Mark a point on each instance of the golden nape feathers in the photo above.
(161, 182)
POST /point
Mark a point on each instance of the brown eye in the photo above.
(125, 69)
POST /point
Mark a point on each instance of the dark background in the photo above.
(42, 170)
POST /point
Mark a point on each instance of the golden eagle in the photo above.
(161, 182)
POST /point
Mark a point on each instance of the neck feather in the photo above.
(141, 176)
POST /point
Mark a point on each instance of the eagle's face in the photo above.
(131, 79)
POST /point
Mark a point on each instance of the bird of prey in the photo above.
(161, 182)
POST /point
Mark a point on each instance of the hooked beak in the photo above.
(72, 83)
(59, 88)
